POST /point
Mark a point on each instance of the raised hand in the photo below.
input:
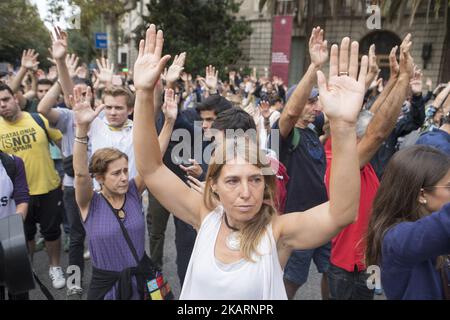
(81, 106)
(29, 59)
(393, 63)
(149, 64)
(264, 107)
(374, 70)
(318, 48)
(416, 82)
(72, 63)
(52, 74)
(343, 96)
(406, 60)
(59, 44)
(174, 71)
(170, 107)
(212, 77)
(105, 71)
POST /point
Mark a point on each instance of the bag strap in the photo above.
(41, 124)
(124, 230)
(43, 288)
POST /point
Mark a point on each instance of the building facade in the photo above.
(340, 18)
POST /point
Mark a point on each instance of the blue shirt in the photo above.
(409, 254)
(436, 138)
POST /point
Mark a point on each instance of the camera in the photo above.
(15, 267)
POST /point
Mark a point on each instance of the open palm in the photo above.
(81, 106)
(149, 64)
(59, 46)
(170, 108)
(343, 96)
(318, 47)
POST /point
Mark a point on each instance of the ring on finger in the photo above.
(343, 73)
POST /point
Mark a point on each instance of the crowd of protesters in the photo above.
(346, 170)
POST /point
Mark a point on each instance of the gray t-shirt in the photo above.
(66, 125)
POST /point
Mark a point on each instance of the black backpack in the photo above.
(9, 164)
(36, 117)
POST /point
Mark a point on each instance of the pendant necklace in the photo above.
(232, 241)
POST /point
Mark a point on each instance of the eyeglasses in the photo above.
(447, 187)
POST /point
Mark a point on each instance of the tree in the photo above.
(112, 12)
(207, 30)
(22, 29)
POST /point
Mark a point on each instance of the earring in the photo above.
(424, 201)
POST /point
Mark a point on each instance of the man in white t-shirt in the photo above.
(113, 128)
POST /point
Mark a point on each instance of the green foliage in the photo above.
(207, 30)
(22, 28)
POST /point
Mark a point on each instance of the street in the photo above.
(310, 291)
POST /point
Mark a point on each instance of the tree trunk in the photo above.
(113, 37)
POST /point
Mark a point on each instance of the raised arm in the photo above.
(59, 52)
(341, 98)
(296, 103)
(45, 106)
(105, 72)
(442, 97)
(170, 191)
(174, 71)
(170, 110)
(385, 119)
(29, 62)
(84, 115)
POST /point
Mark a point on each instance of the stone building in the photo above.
(340, 18)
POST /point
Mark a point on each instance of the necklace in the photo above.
(232, 240)
(118, 212)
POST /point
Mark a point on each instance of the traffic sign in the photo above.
(101, 40)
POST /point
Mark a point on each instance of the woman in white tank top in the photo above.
(242, 243)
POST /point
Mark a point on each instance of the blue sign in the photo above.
(101, 40)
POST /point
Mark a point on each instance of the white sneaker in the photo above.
(57, 276)
(86, 255)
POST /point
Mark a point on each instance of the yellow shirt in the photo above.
(27, 140)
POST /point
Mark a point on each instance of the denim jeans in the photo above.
(77, 232)
(346, 285)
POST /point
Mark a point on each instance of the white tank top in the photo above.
(7, 204)
(206, 280)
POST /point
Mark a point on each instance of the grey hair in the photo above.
(364, 119)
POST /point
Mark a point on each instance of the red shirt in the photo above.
(348, 246)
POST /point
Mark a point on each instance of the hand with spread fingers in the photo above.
(59, 44)
(149, 64)
(81, 106)
(174, 71)
(343, 95)
(105, 71)
(211, 80)
(29, 59)
(72, 63)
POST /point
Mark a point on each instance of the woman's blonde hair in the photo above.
(102, 158)
(248, 151)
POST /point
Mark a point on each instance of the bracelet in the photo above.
(83, 138)
(81, 141)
